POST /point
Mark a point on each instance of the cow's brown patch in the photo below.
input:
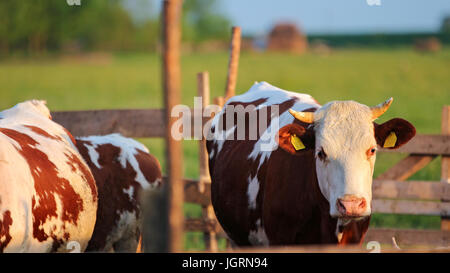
(47, 185)
(43, 133)
(112, 179)
(149, 166)
(5, 224)
(295, 211)
(75, 162)
(245, 104)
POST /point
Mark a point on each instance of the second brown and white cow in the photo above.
(123, 168)
(307, 177)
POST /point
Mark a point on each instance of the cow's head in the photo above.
(344, 137)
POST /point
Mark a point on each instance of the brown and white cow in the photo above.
(302, 180)
(48, 197)
(123, 168)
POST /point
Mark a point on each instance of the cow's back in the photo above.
(122, 168)
(47, 192)
(248, 175)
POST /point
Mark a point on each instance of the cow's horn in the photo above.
(306, 117)
(378, 110)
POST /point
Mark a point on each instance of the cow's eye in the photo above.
(321, 154)
(371, 151)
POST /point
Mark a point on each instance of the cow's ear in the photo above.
(295, 139)
(394, 133)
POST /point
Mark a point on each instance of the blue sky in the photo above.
(334, 16)
(338, 16)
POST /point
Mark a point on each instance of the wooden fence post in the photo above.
(203, 92)
(174, 152)
(219, 101)
(235, 49)
(445, 161)
(207, 211)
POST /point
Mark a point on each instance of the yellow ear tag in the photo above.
(390, 140)
(297, 143)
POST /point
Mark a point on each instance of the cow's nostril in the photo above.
(341, 206)
(362, 204)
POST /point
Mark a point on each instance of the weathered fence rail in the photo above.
(129, 122)
(423, 190)
(150, 123)
(140, 123)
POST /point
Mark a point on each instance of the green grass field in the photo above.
(419, 83)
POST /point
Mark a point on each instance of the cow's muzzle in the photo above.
(351, 206)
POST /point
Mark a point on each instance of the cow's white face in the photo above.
(344, 139)
(345, 157)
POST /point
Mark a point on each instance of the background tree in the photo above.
(202, 21)
(53, 25)
(445, 27)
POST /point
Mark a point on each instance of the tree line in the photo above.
(54, 25)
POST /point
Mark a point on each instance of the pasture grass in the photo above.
(419, 83)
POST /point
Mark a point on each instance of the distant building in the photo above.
(428, 45)
(287, 38)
